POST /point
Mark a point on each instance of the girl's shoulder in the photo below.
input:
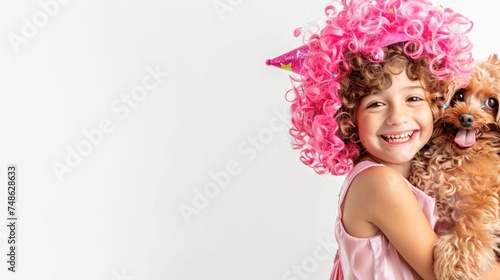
(379, 184)
(372, 187)
(376, 174)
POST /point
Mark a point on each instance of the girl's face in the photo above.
(394, 124)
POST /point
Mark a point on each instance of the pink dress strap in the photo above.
(350, 176)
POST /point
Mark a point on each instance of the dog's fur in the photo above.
(465, 181)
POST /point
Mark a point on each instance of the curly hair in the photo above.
(355, 53)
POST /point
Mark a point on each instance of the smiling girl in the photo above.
(370, 90)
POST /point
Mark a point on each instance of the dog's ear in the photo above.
(493, 59)
(492, 64)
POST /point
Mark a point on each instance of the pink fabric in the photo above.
(337, 273)
(373, 257)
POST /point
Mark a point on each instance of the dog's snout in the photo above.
(466, 119)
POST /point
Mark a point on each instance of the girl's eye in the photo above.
(375, 105)
(491, 103)
(415, 98)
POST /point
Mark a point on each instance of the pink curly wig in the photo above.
(368, 26)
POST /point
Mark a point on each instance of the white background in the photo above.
(215, 125)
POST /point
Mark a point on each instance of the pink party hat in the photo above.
(292, 60)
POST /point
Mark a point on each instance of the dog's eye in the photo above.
(491, 103)
(458, 96)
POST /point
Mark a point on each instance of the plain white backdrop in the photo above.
(151, 140)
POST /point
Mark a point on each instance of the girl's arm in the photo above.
(380, 199)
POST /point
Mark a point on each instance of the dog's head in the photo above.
(473, 110)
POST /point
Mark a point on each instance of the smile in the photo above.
(398, 138)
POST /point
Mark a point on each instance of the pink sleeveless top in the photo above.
(373, 257)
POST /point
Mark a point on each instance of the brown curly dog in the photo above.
(461, 169)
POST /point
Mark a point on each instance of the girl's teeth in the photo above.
(397, 138)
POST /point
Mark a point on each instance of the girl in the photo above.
(371, 86)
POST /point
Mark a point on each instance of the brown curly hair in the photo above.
(365, 77)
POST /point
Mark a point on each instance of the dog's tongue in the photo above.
(465, 138)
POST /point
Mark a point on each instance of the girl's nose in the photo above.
(397, 115)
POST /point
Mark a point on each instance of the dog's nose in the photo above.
(466, 119)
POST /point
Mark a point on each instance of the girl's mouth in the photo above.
(393, 138)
